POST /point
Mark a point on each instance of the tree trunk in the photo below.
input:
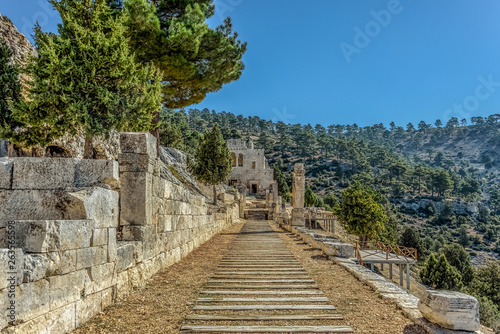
(215, 195)
(87, 149)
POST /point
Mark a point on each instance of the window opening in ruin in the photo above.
(253, 164)
(240, 160)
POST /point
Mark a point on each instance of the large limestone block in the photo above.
(32, 300)
(125, 256)
(450, 309)
(43, 173)
(132, 162)
(56, 235)
(32, 205)
(338, 249)
(98, 204)
(111, 245)
(94, 172)
(136, 198)
(139, 143)
(87, 307)
(5, 173)
(66, 289)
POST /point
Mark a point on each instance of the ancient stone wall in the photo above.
(79, 234)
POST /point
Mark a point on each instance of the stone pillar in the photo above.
(243, 199)
(299, 183)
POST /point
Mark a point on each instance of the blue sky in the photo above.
(350, 61)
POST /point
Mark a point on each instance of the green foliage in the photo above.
(439, 274)
(85, 79)
(487, 281)
(360, 213)
(311, 199)
(460, 259)
(10, 91)
(463, 236)
(283, 188)
(411, 238)
(193, 58)
(213, 159)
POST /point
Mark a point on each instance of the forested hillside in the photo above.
(442, 179)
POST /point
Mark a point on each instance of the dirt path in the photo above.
(361, 307)
(163, 305)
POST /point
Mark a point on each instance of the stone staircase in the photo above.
(259, 287)
(256, 209)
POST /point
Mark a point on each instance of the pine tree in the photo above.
(310, 198)
(411, 238)
(439, 274)
(213, 159)
(283, 188)
(460, 259)
(10, 91)
(86, 79)
(360, 213)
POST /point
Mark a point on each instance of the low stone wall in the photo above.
(79, 234)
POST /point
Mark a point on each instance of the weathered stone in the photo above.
(139, 143)
(40, 173)
(226, 198)
(132, 162)
(87, 307)
(111, 245)
(136, 198)
(35, 267)
(122, 284)
(66, 289)
(61, 263)
(94, 172)
(61, 320)
(99, 237)
(92, 256)
(450, 309)
(5, 173)
(32, 205)
(102, 276)
(54, 235)
(32, 299)
(108, 297)
(125, 256)
(98, 204)
(338, 249)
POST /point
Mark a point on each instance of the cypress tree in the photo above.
(10, 90)
(439, 274)
(213, 159)
(86, 79)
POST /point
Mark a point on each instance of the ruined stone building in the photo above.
(250, 167)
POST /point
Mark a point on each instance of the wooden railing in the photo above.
(407, 252)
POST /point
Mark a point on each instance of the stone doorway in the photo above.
(253, 188)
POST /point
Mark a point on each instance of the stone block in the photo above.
(56, 235)
(87, 307)
(125, 257)
(338, 249)
(42, 173)
(61, 263)
(122, 284)
(99, 237)
(95, 172)
(32, 205)
(92, 256)
(450, 309)
(102, 276)
(6, 173)
(111, 245)
(98, 204)
(32, 300)
(35, 267)
(61, 320)
(139, 143)
(136, 199)
(131, 162)
(66, 289)
(108, 297)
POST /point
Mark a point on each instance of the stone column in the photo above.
(299, 183)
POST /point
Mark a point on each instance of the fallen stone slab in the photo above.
(450, 309)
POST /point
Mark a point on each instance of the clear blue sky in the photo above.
(308, 62)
